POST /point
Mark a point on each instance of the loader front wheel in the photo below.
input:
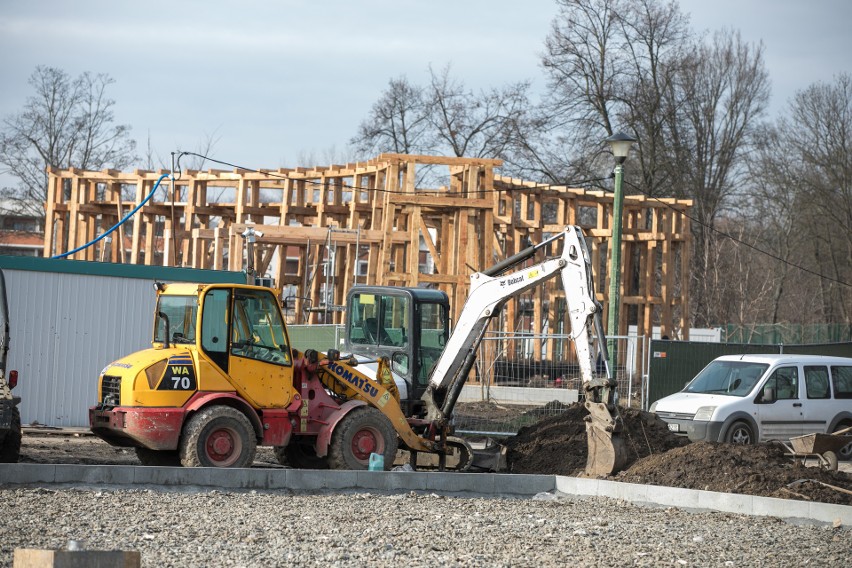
(362, 432)
(218, 436)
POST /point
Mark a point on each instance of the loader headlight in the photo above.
(704, 413)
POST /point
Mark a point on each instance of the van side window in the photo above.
(816, 382)
(842, 378)
(785, 382)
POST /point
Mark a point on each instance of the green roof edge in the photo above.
(164, 273)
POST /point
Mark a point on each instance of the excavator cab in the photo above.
(409, 326)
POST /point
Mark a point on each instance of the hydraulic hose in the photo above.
(114, 227)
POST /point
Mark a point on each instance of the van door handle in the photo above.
(797, 405)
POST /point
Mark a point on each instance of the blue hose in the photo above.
(114, 227)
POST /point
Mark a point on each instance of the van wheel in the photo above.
(362, 432)
(740, 433)
(218, 436)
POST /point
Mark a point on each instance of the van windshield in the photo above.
(733, 378)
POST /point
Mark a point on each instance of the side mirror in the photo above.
(768, 395)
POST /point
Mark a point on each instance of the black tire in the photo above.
(162, 458)
(10, 447)
(844, 453)
(740, 433)
(363, 431)
(300, 455)
(218, 436)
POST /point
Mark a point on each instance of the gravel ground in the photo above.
(216, 528)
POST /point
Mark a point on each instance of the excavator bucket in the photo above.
(607, 452)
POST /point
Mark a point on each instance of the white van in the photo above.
(743, 399)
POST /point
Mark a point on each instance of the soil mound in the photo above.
(753, 470)
(557, 445)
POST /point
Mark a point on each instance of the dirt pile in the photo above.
(761, 470)
(557, 445)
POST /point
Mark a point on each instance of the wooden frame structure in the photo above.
(324, 229)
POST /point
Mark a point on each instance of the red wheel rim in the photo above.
(367, 441)
(223, 447)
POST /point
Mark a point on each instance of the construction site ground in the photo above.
(557, 446)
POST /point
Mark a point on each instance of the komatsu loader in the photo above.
(221, 377)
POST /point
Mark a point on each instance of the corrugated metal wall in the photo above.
(69, 319)
(65, 328)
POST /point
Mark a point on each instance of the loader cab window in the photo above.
(257, 330)
(180, 314)
(380, 320)
(434, 332)
(214, 326)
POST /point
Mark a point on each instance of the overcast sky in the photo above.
(276, 80)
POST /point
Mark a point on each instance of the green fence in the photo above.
(319, 337)
(674, 363)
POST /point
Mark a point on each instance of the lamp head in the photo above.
(620, 144)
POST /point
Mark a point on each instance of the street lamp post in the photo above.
(620, 144)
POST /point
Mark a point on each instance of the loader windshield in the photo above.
(180, 312)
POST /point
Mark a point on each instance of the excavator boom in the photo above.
(489, 291)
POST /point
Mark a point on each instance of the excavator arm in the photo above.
(489, 291)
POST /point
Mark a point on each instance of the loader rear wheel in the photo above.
(164, 458)
(362, 432)
(218, 436)
(10, 445)
(300, 456)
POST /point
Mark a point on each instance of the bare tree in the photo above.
(820, 131)
(722, 94)
(398, 122)
(65, 123)
(611, 65)
(485, 124)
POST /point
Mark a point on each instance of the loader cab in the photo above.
(237, 328)
(410, 326)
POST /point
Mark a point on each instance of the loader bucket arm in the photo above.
(343, 378)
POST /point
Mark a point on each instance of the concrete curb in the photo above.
(696, 500)
(480, 484)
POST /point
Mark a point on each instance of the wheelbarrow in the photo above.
(823, 447)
